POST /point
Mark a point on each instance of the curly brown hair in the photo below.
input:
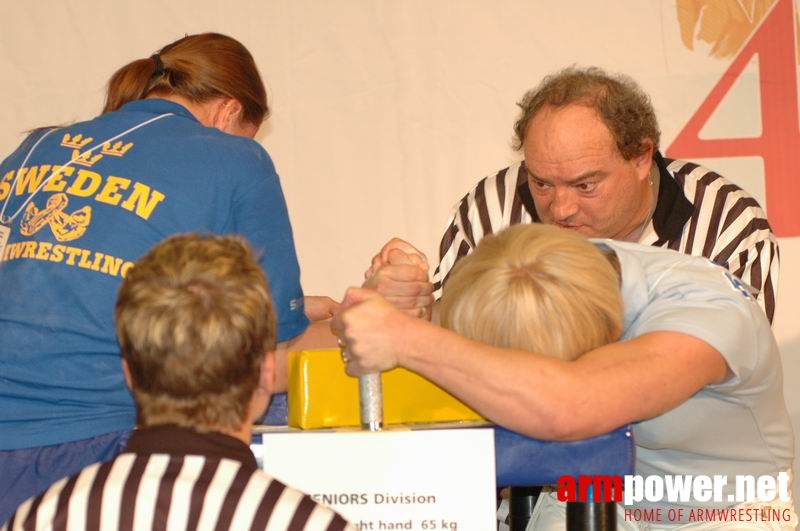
(619, 102)
(194, 319)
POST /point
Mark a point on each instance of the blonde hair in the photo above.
(538, 288)
(198, 67)
(194, 319)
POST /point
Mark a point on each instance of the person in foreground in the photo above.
(590, 142)
(172, 152)
(197, 331)
(696, 370)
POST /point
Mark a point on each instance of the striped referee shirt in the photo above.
(698, 212)
(171, 478)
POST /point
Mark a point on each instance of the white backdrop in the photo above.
(386, 112)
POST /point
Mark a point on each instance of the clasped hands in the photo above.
(374, 320)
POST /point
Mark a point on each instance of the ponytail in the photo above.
(197, 67)
(130, 83)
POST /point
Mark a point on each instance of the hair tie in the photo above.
(159, 70)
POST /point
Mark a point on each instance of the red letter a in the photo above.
(779, 143)
(566, 489)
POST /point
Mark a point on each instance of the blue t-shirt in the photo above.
(72, 243)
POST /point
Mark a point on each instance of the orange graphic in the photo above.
(724, 24)
(773, 42)
(65, 227)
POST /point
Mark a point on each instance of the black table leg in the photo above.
(520, 506)
(591, 516)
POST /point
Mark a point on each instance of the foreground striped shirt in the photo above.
(698, 213)
(217, 486)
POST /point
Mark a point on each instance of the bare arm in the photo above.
(400, 272)
(547, 398)
(319, 307)
(536, 395)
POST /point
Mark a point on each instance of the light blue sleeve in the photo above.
(703, 302)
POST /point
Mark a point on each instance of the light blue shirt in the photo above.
(740, 426)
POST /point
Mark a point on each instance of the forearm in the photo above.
(540, 396)
(522, 391)
(547, 398)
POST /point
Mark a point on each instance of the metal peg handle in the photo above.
(370, 400)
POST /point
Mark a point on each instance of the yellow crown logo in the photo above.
(75, 142)
(117, 149)
(85, 159)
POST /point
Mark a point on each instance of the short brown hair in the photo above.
(619, 102)
(538, 288)
(194, 319)
(198, 67)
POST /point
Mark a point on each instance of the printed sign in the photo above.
(421, 479)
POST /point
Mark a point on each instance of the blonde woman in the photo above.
(516, 278)
(696, 370)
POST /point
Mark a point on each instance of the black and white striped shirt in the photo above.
(698, 212)
(171, 478)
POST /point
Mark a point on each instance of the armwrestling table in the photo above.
(524, 464)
